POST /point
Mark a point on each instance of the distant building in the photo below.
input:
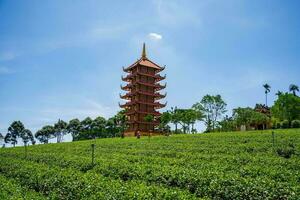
(142, 95)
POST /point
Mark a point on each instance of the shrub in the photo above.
(286, 152)
(278, 125)
(285, 124)
(296, 123)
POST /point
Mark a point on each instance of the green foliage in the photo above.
(228, 124)
(286, 151)
(99, 127)
(44, 134)
(9, 189)
(285, 124)
(267, 90)
(1, 138)
(210, 166)
(165, 119)
(14, 132)
(60, 130)
(296, 124)
(212, 108)
(27, 136)
(249, 117)
(294, 88)
(149, 118)
(286, 107)
(74, 127)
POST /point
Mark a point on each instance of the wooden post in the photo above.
(273, 140)
(25, 151)
(93, 154)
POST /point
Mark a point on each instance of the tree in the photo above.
(46, 133)
(250, 117)
(120, 121)
(14, 131)
(278, 93)
(27, 136)
(212, 107)
(242, 116)
(227, 124)
(98, 127)
(1, 138)
(294, 88)
(194, 116)
(286, 107)
(175, 117)
(74, 128)
(149, 118)
(111, 127)
(267, 90)
(60, 130)
(188, 117)
(259, 119)
(86, 128)
(164, 120)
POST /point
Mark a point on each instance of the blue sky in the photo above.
(63, 59)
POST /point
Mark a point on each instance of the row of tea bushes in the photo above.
(216, 179)
(10, 190)
(59, 183)
(216, 166)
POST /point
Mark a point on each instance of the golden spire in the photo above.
(144, 51)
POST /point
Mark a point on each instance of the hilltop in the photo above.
(232, 165)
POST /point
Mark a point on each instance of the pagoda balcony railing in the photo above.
(126, 87)
(160, 78)
(143, 112)
(143, 122)
(155, 104)
(126, 96)
(157, 77)
(156, 95)
(160, 96)
(160, 87)
(156, 85)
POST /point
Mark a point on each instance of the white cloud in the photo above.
(155, 36)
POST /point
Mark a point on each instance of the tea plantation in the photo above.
(236, 165)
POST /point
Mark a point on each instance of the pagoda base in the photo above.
(133, 133)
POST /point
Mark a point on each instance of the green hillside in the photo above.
(209, 166)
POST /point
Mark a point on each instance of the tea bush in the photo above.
(210, 166)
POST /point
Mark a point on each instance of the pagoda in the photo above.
(142, 95)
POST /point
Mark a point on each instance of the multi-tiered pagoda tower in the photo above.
(142, 95)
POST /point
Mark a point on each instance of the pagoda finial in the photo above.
(144, 51)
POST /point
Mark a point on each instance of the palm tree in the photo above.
(267, 90)
(278, 93)
(293, 88)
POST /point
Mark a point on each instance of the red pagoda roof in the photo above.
(145, 62)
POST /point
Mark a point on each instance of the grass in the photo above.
(233, 165)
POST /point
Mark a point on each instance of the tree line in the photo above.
(285, 113)
(80, 130)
